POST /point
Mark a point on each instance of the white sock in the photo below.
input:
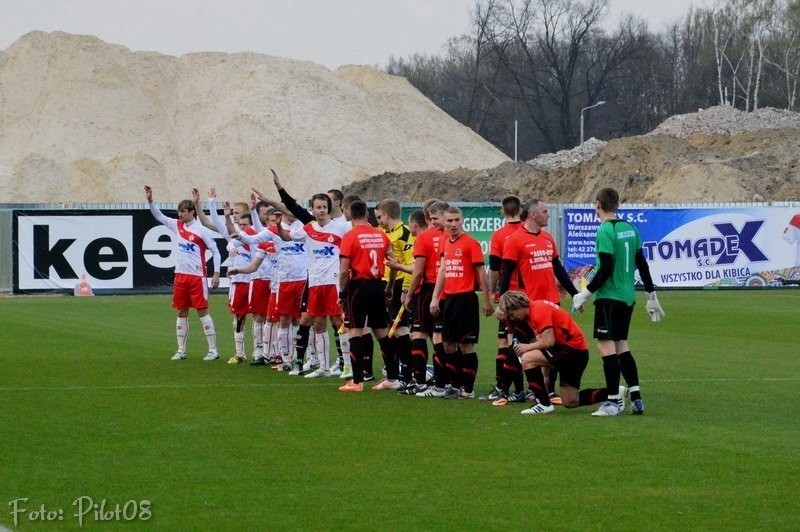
(238, 340)
(182, 332)
(269, 339)
(284, 344)
(258, 341)
(322, 346)
(211, 335)
(344, 343)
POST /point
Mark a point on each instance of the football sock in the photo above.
(499, 366)
(469, 370)
(389, 358)
(367, 349)
(402, 348)
(454, 362)
(627, 366)
(591, 396)
(268, 337)
(301, 342)
(322, 343)
(519, 382)
(551, 383)
(284, 345)
(182, 332)
(536, 383)
(344, 343)
(338, 342)
(611, 371)
(211, 335)
(238, 341)
(258, 340)
(419, 359)
(439, 370)
(357, 358)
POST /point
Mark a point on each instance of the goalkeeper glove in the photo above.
(653, 307)
(580, 298)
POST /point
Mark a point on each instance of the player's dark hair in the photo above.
(358, 210)
(418, 217)
(438, 207)
(608, 198)
(322, 197)
(511, 205)
(247, 217)
(349, 199)
(337, 195)
(426, 207)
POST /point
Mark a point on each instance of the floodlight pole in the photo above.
(598, 104)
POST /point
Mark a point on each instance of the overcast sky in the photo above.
(329, 32)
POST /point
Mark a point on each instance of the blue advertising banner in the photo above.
(700, 247)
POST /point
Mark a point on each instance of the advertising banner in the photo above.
(700, 247)
(114, 250)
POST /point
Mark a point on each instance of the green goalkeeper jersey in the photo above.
(620, 239)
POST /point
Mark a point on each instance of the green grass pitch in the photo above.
(92, 407)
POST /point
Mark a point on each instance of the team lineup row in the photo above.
(295, 271)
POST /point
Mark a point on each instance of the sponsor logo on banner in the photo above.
(114, 249)
(698, 247)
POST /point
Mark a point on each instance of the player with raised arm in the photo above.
(190, 288)
(619, 252)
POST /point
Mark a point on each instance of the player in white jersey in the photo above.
(289, 273)
(190, 286)
(322, 238)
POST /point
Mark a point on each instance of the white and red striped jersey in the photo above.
(193, 241)
(264, 271)
(239, 255)
(322, 249)
(289, 261)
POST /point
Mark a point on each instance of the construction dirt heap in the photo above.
(715, 155)
(82, 120)
(86, 121)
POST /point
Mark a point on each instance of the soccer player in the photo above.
(531, 264)
(425, 325)
(619, 252)
(553, 339)
(460, 271)
(289, 275)
(510, 210)
(190, 287)
(364, 250)
(239, 290)
(397, 282)
(322, 238)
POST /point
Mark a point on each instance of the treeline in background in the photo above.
(540, 62)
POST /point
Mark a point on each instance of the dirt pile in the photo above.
(715, 155)
(82, 120)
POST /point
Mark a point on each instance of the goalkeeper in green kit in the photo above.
(619, 252)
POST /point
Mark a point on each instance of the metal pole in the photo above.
(581, 144)
(515, 141)
(601, 102)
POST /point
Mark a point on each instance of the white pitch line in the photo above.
(322, 383)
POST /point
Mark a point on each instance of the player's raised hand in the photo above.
(275, 179)
(148, 192)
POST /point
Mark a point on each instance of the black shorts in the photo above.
(570, 363)
(421, 319)
(366, 304)
(396, 303)
(612, 319)
(461, 318)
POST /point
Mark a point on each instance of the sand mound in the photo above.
(86, 121)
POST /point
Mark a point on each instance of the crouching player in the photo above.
(555, 341)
